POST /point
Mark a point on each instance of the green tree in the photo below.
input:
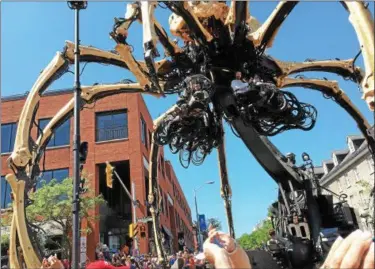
(257, 238)
(215, 223)
(52, 207)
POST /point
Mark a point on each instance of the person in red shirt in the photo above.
(104, 265)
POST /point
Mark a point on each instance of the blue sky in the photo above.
(32, 33)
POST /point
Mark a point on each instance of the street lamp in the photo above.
(196, 209)
(305, 157)
(77, 157)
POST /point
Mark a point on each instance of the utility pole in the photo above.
(134, 202)
(77, 6)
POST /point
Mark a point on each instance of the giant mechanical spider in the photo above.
(219, 40)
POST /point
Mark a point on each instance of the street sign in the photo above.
(144, 219)
(202, 223)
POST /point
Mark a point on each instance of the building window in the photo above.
(8, 136)
(347, 180)
(356, 173)
(47, 176)
(144, 132)
(145, 163)
(61, 135)
(111, 125)
(150, 137)
(5, 193)
(370, 162)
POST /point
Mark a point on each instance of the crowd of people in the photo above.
(220, 250)
(180, 260)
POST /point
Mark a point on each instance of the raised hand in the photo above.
(354, 252)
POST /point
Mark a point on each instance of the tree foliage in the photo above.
(215, 223)
(257, 238)
(53, 205)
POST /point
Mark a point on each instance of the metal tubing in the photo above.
(294, 197)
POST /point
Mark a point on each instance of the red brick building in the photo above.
(118, 130)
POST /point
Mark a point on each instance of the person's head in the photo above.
(238, 75)
(180, 263)
(101, 256)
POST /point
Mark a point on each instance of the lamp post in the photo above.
(77, 6)
(196, 210)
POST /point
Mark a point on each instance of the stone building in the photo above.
(350, 171)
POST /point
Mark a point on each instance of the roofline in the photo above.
(362, 150)
(16, 97)
(355, 137)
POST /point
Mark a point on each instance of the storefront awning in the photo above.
(167, 231)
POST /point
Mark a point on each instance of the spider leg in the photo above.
(89, 95)
(31, 258)
(26, 154)
(133, 12)
(264, 36)
(185, 11)
(361, 19)
(237, 17)
(225, 189)
(13, 257)
(154, 192)
(332, 89)
(362, 22)
(21, 155)
(91, 54)
(126, 53)
(344, 68)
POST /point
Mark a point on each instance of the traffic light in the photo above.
(133, 230)
(109, 174)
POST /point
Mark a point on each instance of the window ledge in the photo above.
(6, 153)
(111, 141)
(58, 147)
